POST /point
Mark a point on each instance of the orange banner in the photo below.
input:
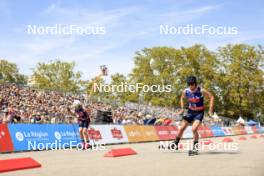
(134, 133)
(149, 133)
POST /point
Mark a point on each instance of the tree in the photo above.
(57, 75)
(234, 74)
(10, 73)
(171, 66)
(125, 96)
(242, 79)
(155, 66)
(197, 60)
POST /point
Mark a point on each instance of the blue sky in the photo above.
(130, 27)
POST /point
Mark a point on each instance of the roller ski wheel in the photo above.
(161, 147)
(193, 152)
(86, 146)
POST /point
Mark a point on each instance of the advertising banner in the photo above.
(236, 130)
(6, 144)
(118, 134)
(188, 133)
(242, 130)
(228, 131)
(205, 131)
(29, 136)
(149, 133)
(249, 130)
(22, 137)
(107, 134)
(65, 134)
(134, 133)
(42, 136)
(173, 131)
(163, 133)
(217, 131)
(261, 129)
(255, 129)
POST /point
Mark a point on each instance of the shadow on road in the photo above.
(219, 152)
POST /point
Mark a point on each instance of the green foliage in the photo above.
(170, 66)
(118, 79)
(57, 75)
(10, 73)
(234, 74)
(241, 79)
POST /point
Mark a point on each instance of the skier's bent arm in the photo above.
(211, 97)
(182, 103)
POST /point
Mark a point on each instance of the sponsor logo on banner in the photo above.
(19, 136)
(43, 136)
(6, 144)
(149, 133)
(163, 133)
(111, 134)
(227, 130)
(173, 131)
(94, 134)
(25, 136)
(166, 132)
(134, 133)
(31, 135)
(65, 135)
(116, 133)
(57, 135)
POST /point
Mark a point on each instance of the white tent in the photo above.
(240, 120)
(215, 116)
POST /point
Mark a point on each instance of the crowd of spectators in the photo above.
(24, 104)
(19, 104)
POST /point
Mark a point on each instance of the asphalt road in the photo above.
(247, 160)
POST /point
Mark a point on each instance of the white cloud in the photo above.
(185, 16)
(86, 16)
(84, 50)
(122, 29)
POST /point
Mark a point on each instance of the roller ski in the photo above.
(86, 146)
(193, 152)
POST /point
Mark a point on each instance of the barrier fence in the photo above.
(26, 137)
